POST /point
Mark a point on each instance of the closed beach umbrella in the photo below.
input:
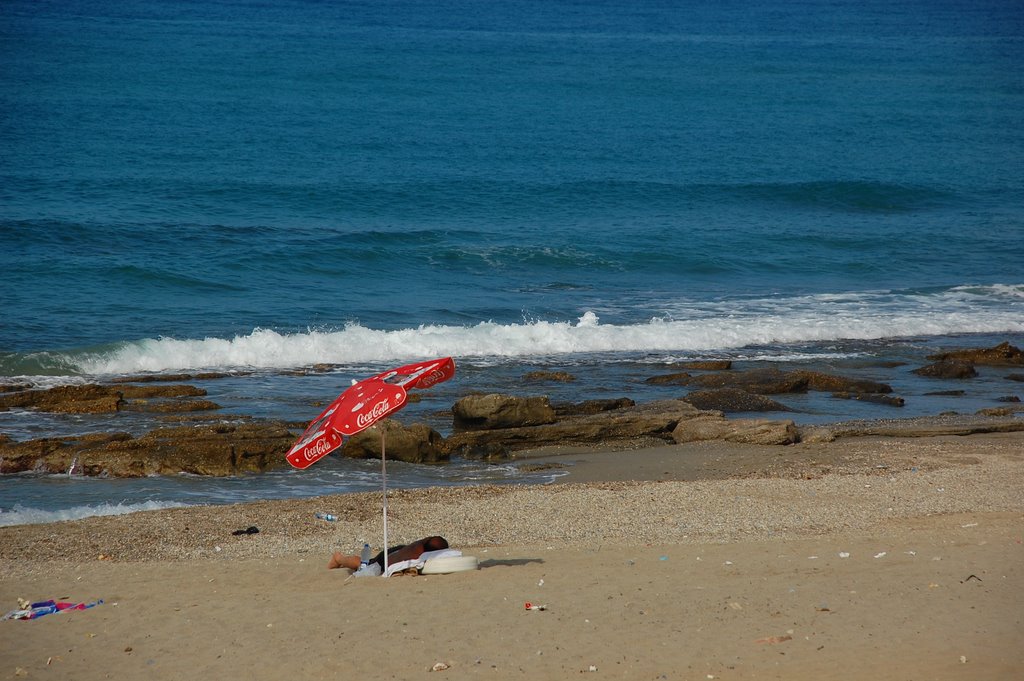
(363, 404)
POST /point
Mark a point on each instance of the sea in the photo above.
(601, 187)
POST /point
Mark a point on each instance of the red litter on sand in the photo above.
(531, 606)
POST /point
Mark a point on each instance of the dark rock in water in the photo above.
(417, 443)
(150, 392)
(489, 412)
(176, 378)
(759, 381)
(218, 449)
(705, 365)
(554, 376)
(999, 411)
(102, 399)
(321, 368)
(774, 382)
(875, 398)
(67, 399)
(748, 431)
(681, 378)
(1008, 398)
(955, 370)
(592, 407)
(169, 406)
(947, 393)
(1015, 377)
(54, 455)
(830, 383)
(732, 400)
(654, 420)
(1003, 354)
(324, 367)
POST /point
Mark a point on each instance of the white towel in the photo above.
(419, 562)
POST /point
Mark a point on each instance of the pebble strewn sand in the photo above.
(868, 482)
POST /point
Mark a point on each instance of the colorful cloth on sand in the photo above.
(37, 610)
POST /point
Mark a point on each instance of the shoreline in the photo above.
(709, 468)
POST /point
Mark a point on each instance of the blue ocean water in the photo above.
(601, 186)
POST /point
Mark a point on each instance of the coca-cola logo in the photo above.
(379, 410)
(435, 376)
(318, 449)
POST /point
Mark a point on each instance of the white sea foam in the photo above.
(995, 290)
(21, 515)
(687, 327)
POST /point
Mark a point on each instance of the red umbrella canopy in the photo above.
(362, 405)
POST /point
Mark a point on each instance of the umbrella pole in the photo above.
(384, 482)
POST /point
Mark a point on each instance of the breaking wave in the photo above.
(22, 515)
(683, 326)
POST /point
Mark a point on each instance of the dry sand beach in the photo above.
(863, 558)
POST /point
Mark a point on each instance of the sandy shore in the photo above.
(863, 558)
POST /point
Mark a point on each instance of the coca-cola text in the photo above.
(380, 410)
(435, 376)
(318, 449)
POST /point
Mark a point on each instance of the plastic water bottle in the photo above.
(326, 516)
(366, 568)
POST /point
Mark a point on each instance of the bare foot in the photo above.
(340, 560)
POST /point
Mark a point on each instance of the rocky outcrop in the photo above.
(219, 449)
(744, 391)
(746, 431)
(680, 378)
(986, 421)
(214, 449)
(417, 443)
(1000, 411)
(66, 399)
(165, 406)
(101, 399)
(889, 400)
(947, 369)
(683, 377)
(549, 376)
(592, 406)
(758, 381)
(831, 383)
(654, 420)
(1003, 354)
(959, 364)
(485, 426)
(705, 365)
(490, 412)
(731, 400)
(775, 382)
(176, 378)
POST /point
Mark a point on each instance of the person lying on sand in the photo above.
(396, 554)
